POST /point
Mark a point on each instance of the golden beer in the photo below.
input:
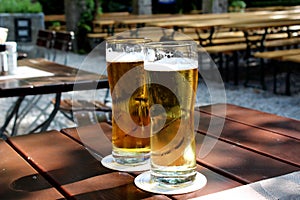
(172, 80)
(173, 144)
(130, 110)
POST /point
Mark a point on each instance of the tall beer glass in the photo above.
(172, 79)
(130, 114)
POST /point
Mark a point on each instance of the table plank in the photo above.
(19, 180)
(265, 23)
(239, 163)
(256, 139)
(291, 58)
(215, 183)
(277, 54)
(274, 123)
(91, 136)
(75, 169)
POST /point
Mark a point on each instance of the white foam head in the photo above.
(171, 64)
(112, 56)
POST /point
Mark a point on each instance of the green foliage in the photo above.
(85, 23)
(238, 3)
(86, 18)
(19, 6)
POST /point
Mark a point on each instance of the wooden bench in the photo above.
(98, 35)
(280, 56)
(226, 50)
(51, 18)
(230, 47)
(55, 22)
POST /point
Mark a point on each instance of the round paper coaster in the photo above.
(143, 182)
(109, 162)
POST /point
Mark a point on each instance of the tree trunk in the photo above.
(72, 13)
(95, 12)
(73, 10)
(142, 7)
(214, 6)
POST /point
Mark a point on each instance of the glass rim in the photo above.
(173, 44)
(128, 40)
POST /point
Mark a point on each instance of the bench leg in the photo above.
(236, 67)
(220, 63)
(274, 77)
(262, 74)
(227, 57)
(287, 81)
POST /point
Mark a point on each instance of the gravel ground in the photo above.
(287, 106)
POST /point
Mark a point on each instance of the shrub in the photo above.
(19, 6)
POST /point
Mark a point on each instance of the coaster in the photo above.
(109, 162)
(143, 181)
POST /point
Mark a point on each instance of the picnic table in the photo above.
(252, 146)
(40, 76)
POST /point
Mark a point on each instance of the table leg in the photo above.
(14, 112)
(43, 126)
(205, 41)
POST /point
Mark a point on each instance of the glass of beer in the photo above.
(171, 70)
(130, 113)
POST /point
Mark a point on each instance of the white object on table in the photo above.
(285, 187)
(26, 72)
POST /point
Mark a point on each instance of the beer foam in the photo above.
(124, 57)
(171, 64)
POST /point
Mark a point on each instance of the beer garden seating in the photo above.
(228, 37)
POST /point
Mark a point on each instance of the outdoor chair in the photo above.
(63, 44)
(44, 43)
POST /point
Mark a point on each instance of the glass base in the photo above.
(145, 182)
(109, 162)
(128, 158)
(172, 178)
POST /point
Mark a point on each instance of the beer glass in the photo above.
(171, 70)
(130, 113)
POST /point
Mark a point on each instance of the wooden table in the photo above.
(252, 146)
(242, 21)
(62, 79)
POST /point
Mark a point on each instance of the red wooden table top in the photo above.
(252, 146)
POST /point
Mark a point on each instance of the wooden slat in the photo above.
(50, 18)
(240, 163)
(215, 183)
(277, 53)
(263, 120)
(18, 180)
(293, 58)
(75, 169)
(90, 136)
(224, 48)
(275, 145)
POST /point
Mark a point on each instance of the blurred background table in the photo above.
(45, 77)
